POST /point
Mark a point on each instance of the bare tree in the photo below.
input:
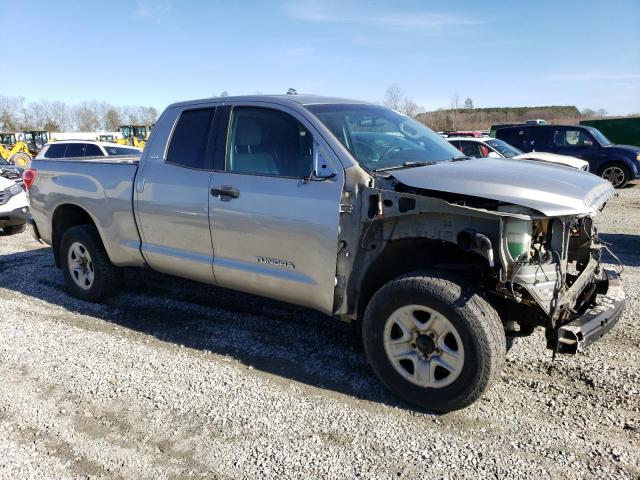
(587, 112)
(455, 106)
(85, 117)
(8, 114)
(112, 120)
(409, 107)
(602, 112)
(393, 97)
(468, 104)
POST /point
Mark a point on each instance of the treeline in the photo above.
(483, 118)
(53, 116)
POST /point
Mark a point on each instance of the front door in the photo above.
(275, 234)
(172, 193)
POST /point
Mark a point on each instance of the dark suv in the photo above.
(616, 163)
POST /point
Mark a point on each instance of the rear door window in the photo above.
(75, 150)
(191, 141)
(55, 150)
(92, 150)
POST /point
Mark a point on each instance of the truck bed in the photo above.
(100, 186)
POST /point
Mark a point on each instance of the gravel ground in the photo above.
(173, 379)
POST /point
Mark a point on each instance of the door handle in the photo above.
(225, 192)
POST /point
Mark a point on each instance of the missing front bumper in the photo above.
(579, 333)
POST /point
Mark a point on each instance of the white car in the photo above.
(495, 148)
(85, 148)
(14, 207)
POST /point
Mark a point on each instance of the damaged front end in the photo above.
(537, 261)
(554, 264)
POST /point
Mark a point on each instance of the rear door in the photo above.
(275, 234)
(172, 194)
(515, 136)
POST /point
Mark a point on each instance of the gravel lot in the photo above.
(173, 379)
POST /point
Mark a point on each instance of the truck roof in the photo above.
(301, 99)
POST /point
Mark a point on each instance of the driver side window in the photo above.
(263, 141)
(572, 138)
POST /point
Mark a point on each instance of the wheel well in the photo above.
(410, 255)
(65, 217)
(611, 163)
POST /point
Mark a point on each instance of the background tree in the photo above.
(112, 120)
(292, 91)
(393, 97)
(468, 104)
(602, 112)
(455, 106)
(588, 112)
(409, 107)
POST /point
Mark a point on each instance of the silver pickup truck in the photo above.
(354, 210)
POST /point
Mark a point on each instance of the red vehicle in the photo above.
(469, 133)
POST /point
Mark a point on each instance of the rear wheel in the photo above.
(617, 174)
(88, 272)
(433, 341)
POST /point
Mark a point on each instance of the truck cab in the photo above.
(616, 163)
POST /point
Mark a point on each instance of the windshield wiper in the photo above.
(404, 165)
(459, 159)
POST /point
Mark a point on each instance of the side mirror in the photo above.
(493, 155)
(322, 169)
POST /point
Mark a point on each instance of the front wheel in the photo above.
(89, 273)
(433, 341)
(617, 174)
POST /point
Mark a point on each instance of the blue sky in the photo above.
(541, 52)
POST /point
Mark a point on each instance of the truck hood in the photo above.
(553, 190)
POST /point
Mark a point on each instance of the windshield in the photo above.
(504, 148)
(380, 138)
(599, 136)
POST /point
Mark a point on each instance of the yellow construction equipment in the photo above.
(16, 152)
(133, 135)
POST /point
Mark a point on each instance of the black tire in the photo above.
(616, 173)
(477, 323)
(14, 229)
(107, 278)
